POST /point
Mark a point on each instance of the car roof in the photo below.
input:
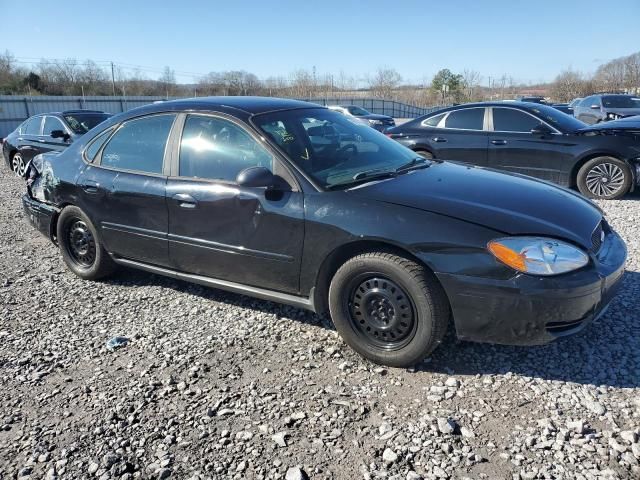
(250, 105)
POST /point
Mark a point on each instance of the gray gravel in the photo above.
(215, 385)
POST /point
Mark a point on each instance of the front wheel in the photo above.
(425, 154)
(388, 308)
(605, 178)
(81, 247)
(17, 164)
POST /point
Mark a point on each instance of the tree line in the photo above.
(72, 77)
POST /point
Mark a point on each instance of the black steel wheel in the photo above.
(388, 308)
(80, 245)
(381, 312)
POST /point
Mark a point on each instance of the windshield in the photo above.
(357, 111)
(558, 119)
(83, 122)
(620, 101)
(331, 148)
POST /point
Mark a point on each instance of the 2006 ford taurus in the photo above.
(291, 202)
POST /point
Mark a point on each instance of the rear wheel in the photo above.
(81, 247)
(604, 178)
(17, 164)
(388, 308)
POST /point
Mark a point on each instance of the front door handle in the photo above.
(42, 140)
(439, 139)
(499, 142)
(185, 200)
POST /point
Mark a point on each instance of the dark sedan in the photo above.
(287, 201)
(47, 132)
(530, 139)
(377, 121)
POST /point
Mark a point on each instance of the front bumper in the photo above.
(40, 215)
(529, 310)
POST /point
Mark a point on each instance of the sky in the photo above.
(531, 41)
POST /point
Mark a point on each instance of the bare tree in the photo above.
(168, 81)
(384, 82)
(470, 80)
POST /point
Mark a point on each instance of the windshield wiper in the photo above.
(365, 176)
(418, 162)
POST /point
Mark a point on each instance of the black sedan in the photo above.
(291, 202)
(47, 132)
(377, 121)
(530, 139)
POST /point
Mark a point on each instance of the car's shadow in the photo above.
(606, 353)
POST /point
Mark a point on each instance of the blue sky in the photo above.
(530, 41)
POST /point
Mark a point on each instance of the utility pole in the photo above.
(113, 80)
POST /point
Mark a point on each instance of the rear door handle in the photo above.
(499, 142)
(439, 139)
(42, 140)
(90, 186)
(185, 200)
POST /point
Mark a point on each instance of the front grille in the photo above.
(596, 238)
(389, 121)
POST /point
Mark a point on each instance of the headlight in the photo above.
(375, 122)
(538, 255)
(613, 116)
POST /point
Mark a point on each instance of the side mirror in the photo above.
(595, 107)
(60, 134)
(256, 177)
(542, 130)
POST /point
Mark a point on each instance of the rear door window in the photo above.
(33, 127)
(467, 119)
(511, 120)
(139, 144)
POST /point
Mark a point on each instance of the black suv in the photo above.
(601, 108)
(46, 132)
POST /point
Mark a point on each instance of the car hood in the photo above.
(509, 203)
(627, 123)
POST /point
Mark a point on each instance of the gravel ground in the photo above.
(216, 385)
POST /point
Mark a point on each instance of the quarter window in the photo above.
(139, 144)
(217, 149)
(51, 124)
(510, 120)
(468, 119)
(433, 121)
(33, 127)
(92, 150)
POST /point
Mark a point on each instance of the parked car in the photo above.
(532, 99)
(563, 107)
(379, 122)
(602, 108)
(530, 139)
(46, 132)
(241, 194)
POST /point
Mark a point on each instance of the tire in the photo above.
(605, 178)
(425, 154)
(409, 314)
(81, 247)
(17, 164)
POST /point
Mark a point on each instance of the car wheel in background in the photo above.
(388, 308)
(17, 164)
(425, 154)
(604, 178)
(81, 247)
